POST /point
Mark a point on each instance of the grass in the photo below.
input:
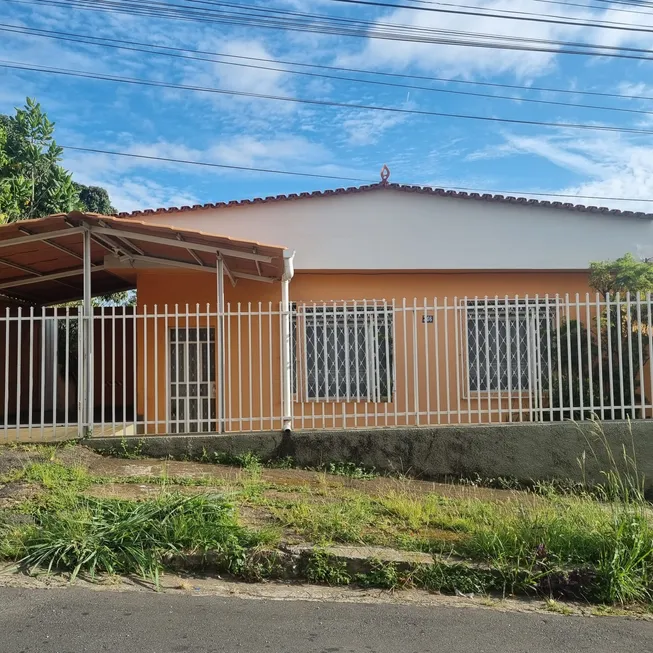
(350, 470)
(556, 540)
(551, 605)
(112, 536)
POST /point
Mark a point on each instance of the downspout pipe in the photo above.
(286, 359)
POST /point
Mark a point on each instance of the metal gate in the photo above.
(192, 380)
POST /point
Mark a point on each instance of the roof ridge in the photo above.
(427, 190)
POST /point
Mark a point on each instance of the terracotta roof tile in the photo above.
(442, 192)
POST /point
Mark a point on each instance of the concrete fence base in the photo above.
(524, 452)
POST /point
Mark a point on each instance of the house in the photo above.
(381, 305)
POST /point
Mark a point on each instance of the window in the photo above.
(347, 352)
(506, 345)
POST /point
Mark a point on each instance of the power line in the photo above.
(304, 174)
(511, 13)
(408, 33)
(350, 70)
(482, 14)
(134, 46)
(322, 103)
(212, 165)
(582, 6)
(571, 4)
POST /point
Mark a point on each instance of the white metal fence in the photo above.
(353, 365)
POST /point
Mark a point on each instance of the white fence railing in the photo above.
(357, 364)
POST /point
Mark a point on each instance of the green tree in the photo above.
(623, 275)
(33, 182)
(95, 199)
(619, 327)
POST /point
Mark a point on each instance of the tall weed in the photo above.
(84, 534)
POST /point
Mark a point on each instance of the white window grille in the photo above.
(506, 345)
(347, 352)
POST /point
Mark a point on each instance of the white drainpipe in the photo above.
(286, 390)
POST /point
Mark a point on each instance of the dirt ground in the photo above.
(116, 467)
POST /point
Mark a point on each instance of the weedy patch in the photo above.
(551, 605)
(593, 544)
(385, 575)
(320, 567)
(350, 470)
(129, 449)
(110, 536)
(52, 475)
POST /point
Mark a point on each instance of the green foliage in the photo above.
(326, 569)
(286, 462)
(94, 199)
(452, 578)
(596, 544)
(351, 470)
(247, 460)
(576, 356)
(623, 275)
(33, 182)
(385, 575)
(625, 566)
(345, 520)
(128, 448)
(83, 534)
(56, 476)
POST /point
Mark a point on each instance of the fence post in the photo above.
(219, 339)
(87, 340)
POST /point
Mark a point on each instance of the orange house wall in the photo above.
(255, 408)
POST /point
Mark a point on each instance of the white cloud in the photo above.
(615, 166)
(241, 78)
(128, 180)
(285, 149)
(367, 127)
(470, 61)
(137, 192)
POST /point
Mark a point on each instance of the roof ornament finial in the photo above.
(385, 174)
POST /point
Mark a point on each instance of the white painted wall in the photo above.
(389, 229)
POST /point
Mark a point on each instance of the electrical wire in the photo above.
(406, 33)
(304, 174)
(566, 4)
(321, 103)
(381, 73)
(480, 14)
(134, 46)
(212, 165)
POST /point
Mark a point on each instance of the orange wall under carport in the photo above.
(254, 410)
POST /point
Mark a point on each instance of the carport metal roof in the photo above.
(42, 261)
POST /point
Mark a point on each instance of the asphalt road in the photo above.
(76, 621)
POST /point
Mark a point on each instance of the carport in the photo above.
(77, 256)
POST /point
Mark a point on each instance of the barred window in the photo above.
(506, 345)
(347, 352)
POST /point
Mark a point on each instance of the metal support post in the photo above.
(219, 339)
(87, 341)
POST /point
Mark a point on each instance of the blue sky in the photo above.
(348, 142)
